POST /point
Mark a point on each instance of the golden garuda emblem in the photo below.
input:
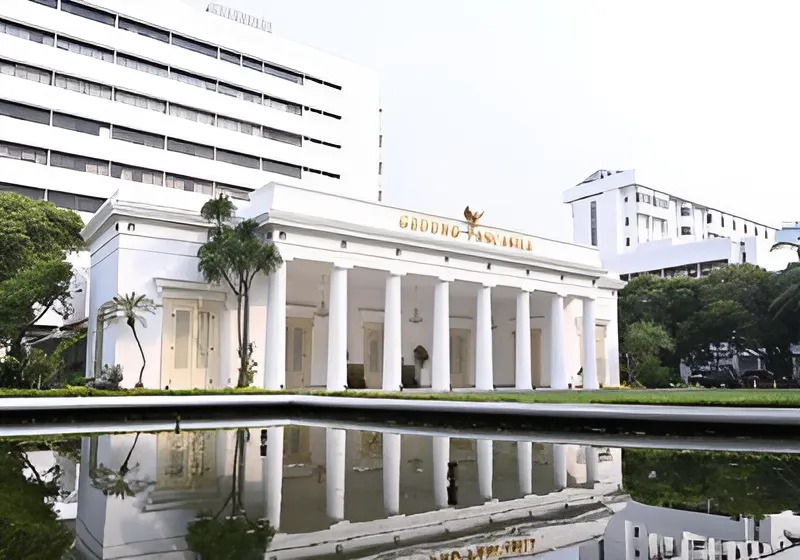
(472, 218)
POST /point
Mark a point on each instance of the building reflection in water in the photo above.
(325, 489)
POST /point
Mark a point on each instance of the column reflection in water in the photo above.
(485, 468)
(335, 450)
(273, 475)
(592, 460)
(525, 467)
(392, 445)
(560, 466)
(441, 456)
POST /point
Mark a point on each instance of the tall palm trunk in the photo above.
(132, 325)
(124, 468)
(245, 342)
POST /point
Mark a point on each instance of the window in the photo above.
(23, 153)
(30, 192)
(191, 114)
(24, 112)
(144, 30)
(281, 168)
(184, 147)
(756, 231)
(686, 230)
(239, 126)
(283, 74)
(148, 176)
(193, 80)
(593, 223)
(137, 137)
(229, 56)
(636, 532)
(194, 46)
(686, 211)
(78, 124)
(79, 163)
(626, 199)
(283, 105)
(239, 193)
(190, 184)
(85, 11)
(627, 221)
(140, 101)
(709, 218)
(48, 3)
(239, 93)
(238, 159)
(252, 63)
(765, 234)
(627, 241)
(85, 49)
(83, 86)
(722, 221)
(26, 72)
(380, 168)
(142, 65)
(734, 225)
(660, 202)
(745, 228)
(27, 33)
(75, 201)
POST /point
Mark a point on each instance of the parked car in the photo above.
(765, 379)
(724, 376)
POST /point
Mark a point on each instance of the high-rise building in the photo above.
(95, 94)
(639, 229)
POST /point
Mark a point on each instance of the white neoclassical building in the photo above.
(362, 286)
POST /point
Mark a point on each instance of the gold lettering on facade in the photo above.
(473, 233)
(507, 549)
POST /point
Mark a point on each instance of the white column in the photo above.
(335, 450)
(441, 456)
(392, 334)
(592, 460)
(589, 345)
(484, 373)
(485, 468)
(275, 355)
(337, 331)
(558, 373)
(522, 379)
(525, 467)
(273, 475)
(560, 466)
(440, 361)
(392, 446)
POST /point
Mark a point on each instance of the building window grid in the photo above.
(593, 222)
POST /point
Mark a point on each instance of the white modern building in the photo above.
(639, 229)
(97, 94)
(328, 491)
(363, 284)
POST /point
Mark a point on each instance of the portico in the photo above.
(368, 296)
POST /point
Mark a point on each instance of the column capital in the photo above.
(591, 298)
(488, 284)
(528, 287)
(446, 278)
(342, 264)
(396, 272)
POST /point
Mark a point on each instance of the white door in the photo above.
(373, 355)
(459, 357)
(190, 344)
(298, 352)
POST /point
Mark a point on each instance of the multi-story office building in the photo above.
(98, 94)
(639, 229)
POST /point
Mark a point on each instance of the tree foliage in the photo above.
(737, 307)
(233, 256)
(34, 277)
(132, 308)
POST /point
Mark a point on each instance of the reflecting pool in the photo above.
(305, 490)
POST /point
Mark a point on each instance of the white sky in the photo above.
(502, 104)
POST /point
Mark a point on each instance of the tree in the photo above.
(34, 276)
(29, 527)
(120, 482)
(643, 341)
(234, 255)
(132, 308)
(234, 536)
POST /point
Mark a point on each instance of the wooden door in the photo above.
(459, 357)
(298, 352)
(373, 355)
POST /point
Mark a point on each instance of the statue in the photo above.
(420, 357)
(109, 380)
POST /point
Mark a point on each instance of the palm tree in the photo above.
(120, 482)
(234, 255)
(132, 307)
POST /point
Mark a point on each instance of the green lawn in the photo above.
(704, 397)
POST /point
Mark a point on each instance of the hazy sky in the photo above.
(502, 104)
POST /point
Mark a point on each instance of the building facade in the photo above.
(642, 230)
(362, 287)
(98, 94)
